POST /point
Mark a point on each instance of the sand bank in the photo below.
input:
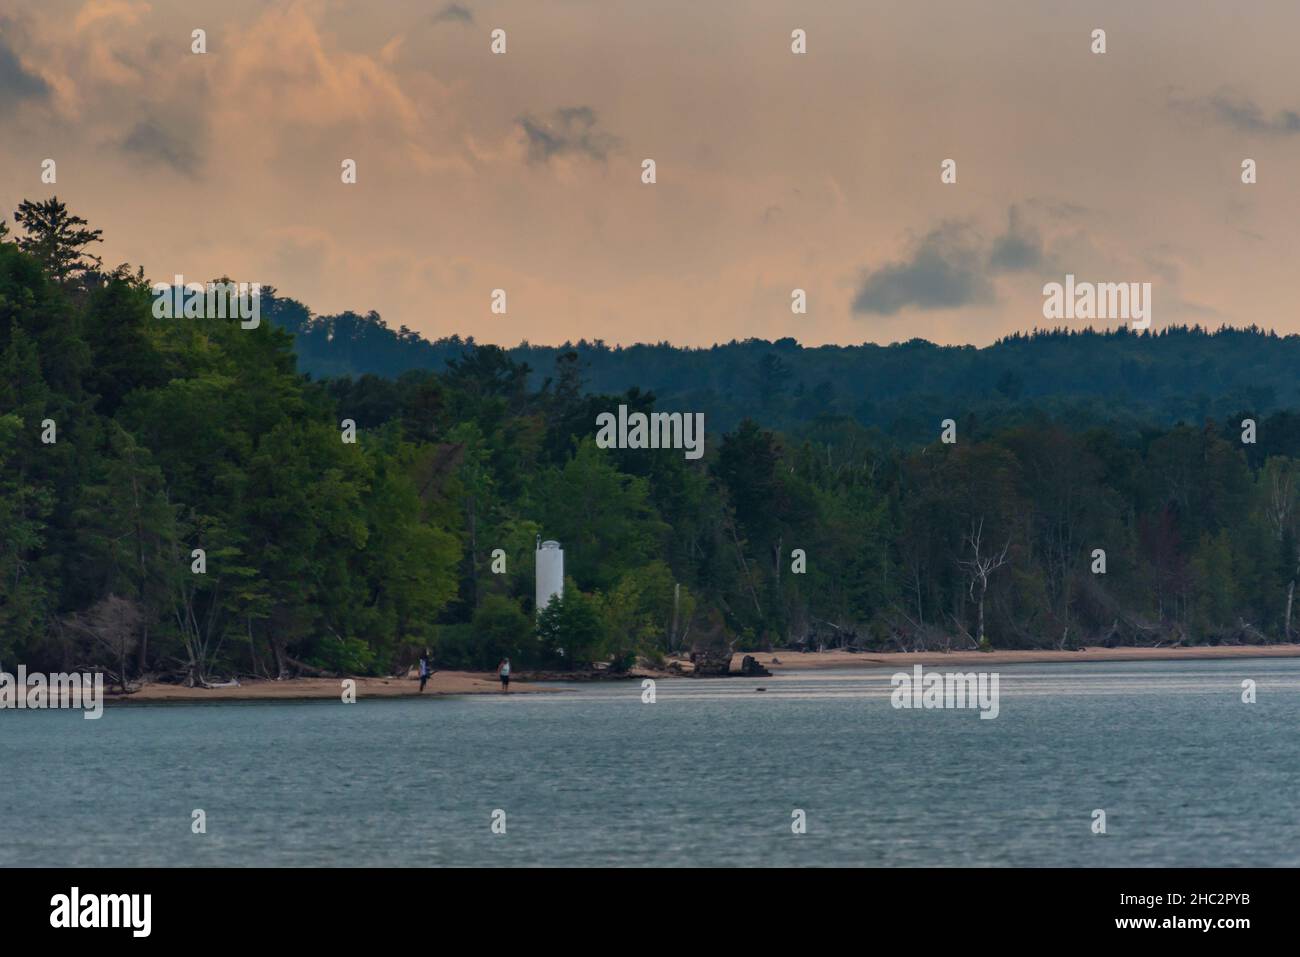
(468, 682)
(442, 683)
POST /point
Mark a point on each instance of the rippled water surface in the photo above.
(709, 774)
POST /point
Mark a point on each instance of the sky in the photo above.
(819, 171)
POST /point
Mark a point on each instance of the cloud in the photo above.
(1019, 249)
(945, 271)
(570, 129)
(453, 12)
(152, 141)
(284, 73)
(953, 266)
(122, 10)
(1240, 113)
(16, 81)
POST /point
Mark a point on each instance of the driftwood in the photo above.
(1243, 633)
(307, 669)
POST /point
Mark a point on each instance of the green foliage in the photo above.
(603, 516)
(837, 520)
(176, 435)
(56, 238)
(1116, 379)
(348, 656)
(636, 614)
(500, 629)
(569, 630)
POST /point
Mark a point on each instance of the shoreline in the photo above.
(451, 683)
(441, 684)
(814, 660)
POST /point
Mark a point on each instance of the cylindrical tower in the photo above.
(550, 572)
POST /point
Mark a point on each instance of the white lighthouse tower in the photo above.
(550, 572)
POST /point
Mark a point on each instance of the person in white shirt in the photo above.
(503, 671)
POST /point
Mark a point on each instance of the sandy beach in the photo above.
(780, 662)
(442, 683)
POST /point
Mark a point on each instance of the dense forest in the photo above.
(178, 498)
(1114, 378)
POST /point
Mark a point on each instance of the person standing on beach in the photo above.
(503, 671)
(424, 670)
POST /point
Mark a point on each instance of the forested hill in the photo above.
(177, 500)
(1112, 377)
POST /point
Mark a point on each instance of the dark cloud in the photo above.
(453, 13)
(946, 271)
(16, 82)
(152, 141)
(1240, 113)
(1019, 249)
(570, 129)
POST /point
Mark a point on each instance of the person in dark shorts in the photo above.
(503, 671)
(424, 670)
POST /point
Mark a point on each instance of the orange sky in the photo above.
(775, 171)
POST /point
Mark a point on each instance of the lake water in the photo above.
(708, 775)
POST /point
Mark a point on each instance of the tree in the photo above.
(602, 516)
(569, 629)
(57, 238)
(772, 378)
(637, 614)
(1277, 481)
(25, 585)
(979, 567)
(501, 630)
(1215, 583)
(1010, 384)
(125, 521)
(113, 627)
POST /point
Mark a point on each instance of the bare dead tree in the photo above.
(978, 569)
(113, 626)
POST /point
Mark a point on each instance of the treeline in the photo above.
(177, 499)
(1115, 379)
